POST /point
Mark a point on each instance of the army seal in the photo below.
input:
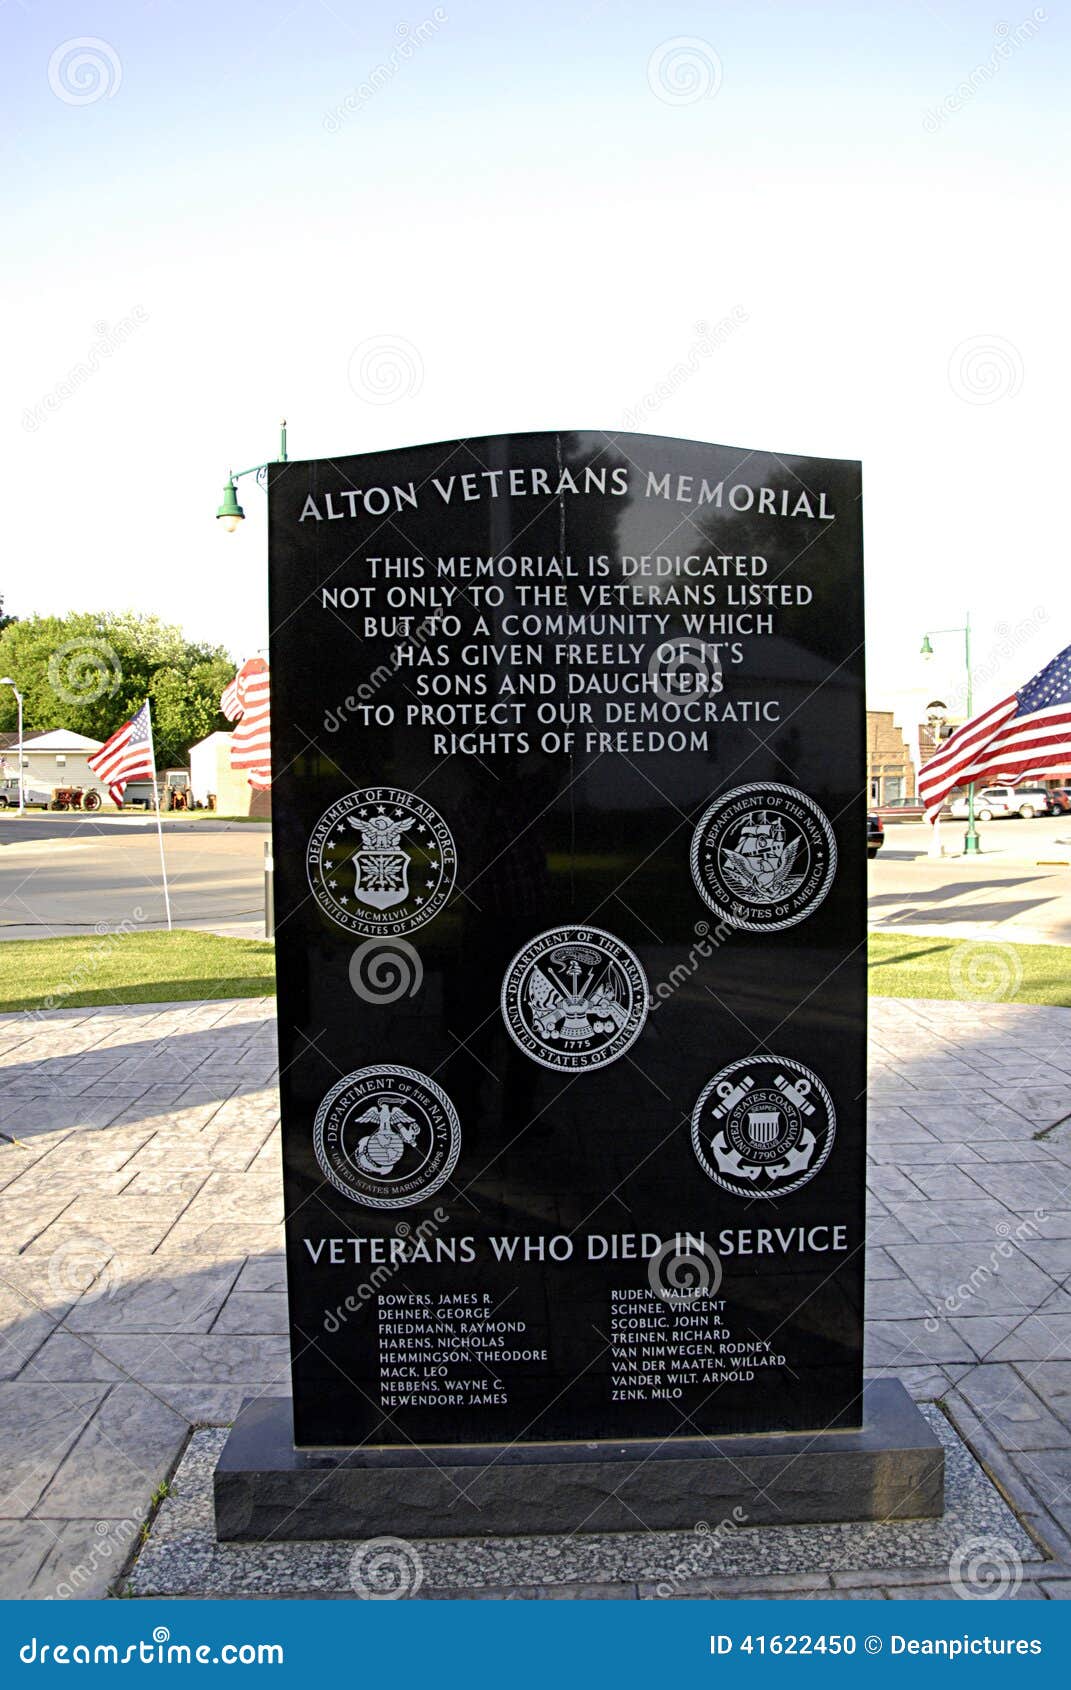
(763, 1127)
(575, 998)
(386, 1137)
(381, 862)
(763, 857)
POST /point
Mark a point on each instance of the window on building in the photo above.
(894, 788)
(61, 762)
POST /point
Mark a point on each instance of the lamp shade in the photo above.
(230, 512)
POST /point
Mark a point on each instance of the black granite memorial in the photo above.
(569, 841)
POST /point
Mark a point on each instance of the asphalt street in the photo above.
(64, 874)
(1018, 888)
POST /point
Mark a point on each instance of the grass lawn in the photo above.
(132, 968)
(973, 970)
(166, 967)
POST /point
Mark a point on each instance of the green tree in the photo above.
(5, 621)
(185, 703)
(89, 671)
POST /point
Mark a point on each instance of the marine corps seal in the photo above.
(763, 1127)
(386, 1137)
(763, 857)
(381, 862)
(575, 998)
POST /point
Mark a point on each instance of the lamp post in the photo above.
(971, 845)
(230, 512)
(6, 681)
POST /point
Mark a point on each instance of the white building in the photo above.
(211, 775)
(56, 758)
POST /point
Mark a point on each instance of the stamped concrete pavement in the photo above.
(142, 1280)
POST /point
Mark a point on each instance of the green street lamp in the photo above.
(230, 512)
(971, 844)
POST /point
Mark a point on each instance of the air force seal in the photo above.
(381, 862)
(763, 857)
(763, 1127)
(386, 1137)
(575, 998)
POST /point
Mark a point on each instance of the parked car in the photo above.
(875, 833)
(992, 802)
(902, 810)
(1059, 801)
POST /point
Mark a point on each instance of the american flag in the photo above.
(127, 755)
(1024, 737)
(247, 703)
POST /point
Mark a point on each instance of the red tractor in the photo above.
(74, 798)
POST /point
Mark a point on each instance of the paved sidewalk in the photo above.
(141, 1277)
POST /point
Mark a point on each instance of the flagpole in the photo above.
(159, 825)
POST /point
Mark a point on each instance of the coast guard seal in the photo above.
(386, 1137)
(763, 1127)
(575, 998)
(763, 857)
(381, 862)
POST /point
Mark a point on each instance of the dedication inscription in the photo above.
(569, 840)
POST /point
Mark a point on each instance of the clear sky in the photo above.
(529, 211)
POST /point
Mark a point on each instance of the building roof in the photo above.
(59, 739)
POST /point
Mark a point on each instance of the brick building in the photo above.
(890, 768)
